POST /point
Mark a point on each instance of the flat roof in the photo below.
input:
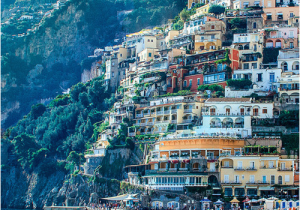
(213, 100)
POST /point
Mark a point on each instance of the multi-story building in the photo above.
(255, 175)
(250, 49)
(201, 11)
(263, 80)
(166, 115)
(288, 60)
(289, 88)
(278, 12)
(119, 112)
(178, 163)
(231, 117)
(283, 37)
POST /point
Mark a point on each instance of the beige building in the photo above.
(148, 54)
(252, 175)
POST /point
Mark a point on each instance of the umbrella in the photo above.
(262, 199)
(234, 200)
(246, 200)
(273, 198)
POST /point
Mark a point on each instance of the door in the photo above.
(240, 164)
(212, 167)
(226, 178)
(282, 166)
(251, 178)
(245, 133)
(264, 179)
(271, 164)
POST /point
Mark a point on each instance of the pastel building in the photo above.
(176, 164)
(288, 60)
(289, 88)
(253, 175)
(250, 48)
(231, 117)
(284, 37)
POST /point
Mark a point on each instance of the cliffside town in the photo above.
(209, 100)
(200, 112)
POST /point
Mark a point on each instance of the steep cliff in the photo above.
(22, 189)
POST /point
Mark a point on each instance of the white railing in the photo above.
(186, 121)
(167, 112)
(188, 111)
(174, 111)
(172, 169)
(139, 115)
(160, 113)
(173, 121)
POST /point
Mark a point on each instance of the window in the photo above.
(252, 165)
(113, 74)
(212, 27)
(198, 81)
(246, 65)
(254, 25)
(191, 81)
(236, 179)
(252, 192)
(228, 192)
(252, 179)
(264, 179)
(212, 111)
(121, 55)
(272, 77)
(255, 112)
(271, 164)
(242, 110)
(269, 3)
(228, 111)
(150, 54)
(279, 15)
(212, 36)
(291, 34)
(259, 77)
(269, 16)
(279, 179)
(254, 65)
(240, 192)
(151, 40)
(243, 177)
(272, 179)
(255, 47)
(291, 45)
(287, 178)
(264, 111)
(291, 14)
(148, 40)
(240, 164)
(184, 83)
(226, 164)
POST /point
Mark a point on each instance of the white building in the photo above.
(289, 88)
(231, 116)
(288, 60)
(262, 79)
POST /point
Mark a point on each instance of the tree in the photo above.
(37, 110)
(237, 23)
(202, 87)
(184, 15)
(216, 9)
(75, 158)
(83, 98)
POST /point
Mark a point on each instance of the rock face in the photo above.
(21, 189)
(54, 53)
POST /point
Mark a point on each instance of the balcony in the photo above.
(188, 111)
(143, 124)
(159, 112)
(150, 123)
(183, 169)
(285, 169)
(173, 121)
(174, 111)
(139, 115)
(167, 112)
(212, 157)
(212, 170)
(146, 113)
(172, 169)
(239, 169)
(162, 170)
(186, 121)
(166, 121)
(231, 182)
(229, 167)
(251, 169)
(265, 167)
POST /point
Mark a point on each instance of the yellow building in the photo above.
(211, 38)
(166, 115)
(178, 163)
(148, 54)
(254, 175)
(201, 11)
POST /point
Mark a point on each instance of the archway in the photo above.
(278, 43)
(295, 65)
(213, 181)
(269, 44)
(284, 66)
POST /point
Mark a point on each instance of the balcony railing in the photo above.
(239, 169)
(231, 182)
(162, 169)
(172, 169)
(174, 111)
(227, 166)
(183, 169)
(212, 157)
(226, 114)
(167, 112)
(188, 111)
(251, 169)
(265, 167)
(142, 124)
(186, 121)
(173, 121)
(139, 115)
(160, 113)
(150, 123)
(285, 169)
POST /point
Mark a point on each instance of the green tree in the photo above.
(216, 9)
(37, 110)
(83, 98)
(237, 23)
(75, 158)
(184, 15)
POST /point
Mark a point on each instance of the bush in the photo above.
(239, 84)
(216, 9)
(37, 110)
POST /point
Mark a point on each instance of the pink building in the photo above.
(284, 37)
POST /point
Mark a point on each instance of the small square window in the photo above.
(264, 111)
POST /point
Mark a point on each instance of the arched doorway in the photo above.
(213, 181)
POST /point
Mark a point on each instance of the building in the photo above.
(148, 54)
(289, 88)
(201, 11)
(279, 12)
(177, 164)
(283, 37)
(166, 115)
(231, 117)
(255, 176)
(288, 60)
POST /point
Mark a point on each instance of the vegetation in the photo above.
(270, 55)
(216, 9)
(289, 119)
(237, 24)
(291, 142)
(239, 83)
(179, 93)
(63, 129)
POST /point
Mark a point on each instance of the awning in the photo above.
(246, 3)
(120, 197)
(279, 13)
(266, 188)
(256, 2)
(269, 13)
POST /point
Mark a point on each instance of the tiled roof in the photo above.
(213, 100)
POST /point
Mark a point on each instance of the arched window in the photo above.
(254, 25)
(284, 66)
(279, 179)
